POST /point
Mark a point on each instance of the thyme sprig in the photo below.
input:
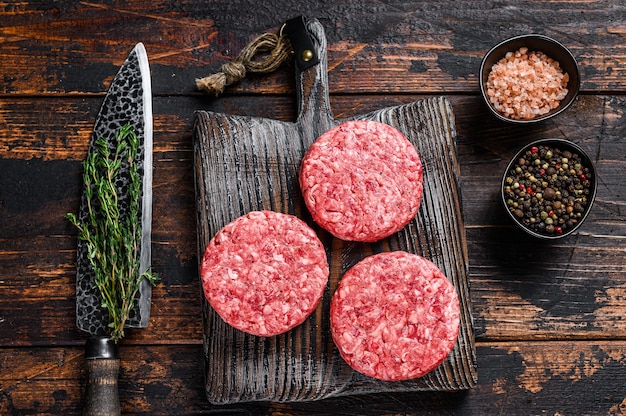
(111, 229)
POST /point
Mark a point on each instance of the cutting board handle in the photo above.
(314, 112)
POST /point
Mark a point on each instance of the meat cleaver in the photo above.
(127, 102)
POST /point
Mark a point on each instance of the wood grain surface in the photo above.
(548, 316)
(245, 164)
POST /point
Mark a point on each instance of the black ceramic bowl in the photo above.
(537, 43)
(552, 170)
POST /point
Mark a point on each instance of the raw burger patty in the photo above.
(362, 181)
(394, 316)
(264, 273)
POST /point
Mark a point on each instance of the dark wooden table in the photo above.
(549, 316)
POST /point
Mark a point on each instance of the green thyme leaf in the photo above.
(112, 236)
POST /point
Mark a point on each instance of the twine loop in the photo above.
(263, 55)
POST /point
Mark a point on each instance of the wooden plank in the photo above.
(550, 331)
(40, 182)
(515, 377)
(75, 47)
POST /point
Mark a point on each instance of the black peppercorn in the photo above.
(548, 189)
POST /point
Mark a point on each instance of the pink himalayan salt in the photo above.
(524, 85)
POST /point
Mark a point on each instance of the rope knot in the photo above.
(264, 54)
(233, 71)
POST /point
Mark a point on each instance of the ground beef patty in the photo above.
(362, 181)
(394, 316)
(265, 272)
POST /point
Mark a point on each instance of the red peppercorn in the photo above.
(540, 171)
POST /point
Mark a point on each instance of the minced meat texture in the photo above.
(362, 181)
(394, 316)
(265, 272)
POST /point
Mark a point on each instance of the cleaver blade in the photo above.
(127, 102)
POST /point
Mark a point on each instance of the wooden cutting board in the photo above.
(247, 163)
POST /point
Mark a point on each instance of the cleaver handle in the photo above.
(103, 367)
